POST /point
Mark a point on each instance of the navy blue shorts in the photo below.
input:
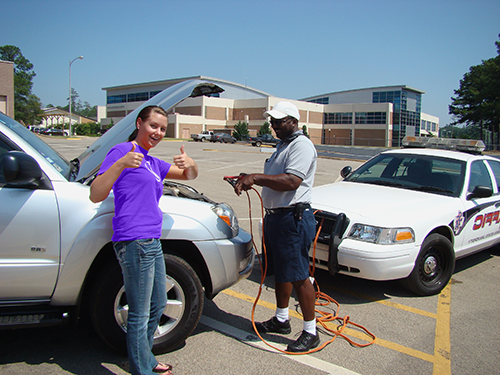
(287, 242)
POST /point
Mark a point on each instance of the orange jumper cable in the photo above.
(322, 299)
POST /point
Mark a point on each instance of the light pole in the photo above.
(71, 62)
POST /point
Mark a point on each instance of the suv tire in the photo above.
(108, 307)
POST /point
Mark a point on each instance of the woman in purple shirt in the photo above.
(137, 182)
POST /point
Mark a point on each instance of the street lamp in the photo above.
(71, 62)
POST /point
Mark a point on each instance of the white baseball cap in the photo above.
(283, 109)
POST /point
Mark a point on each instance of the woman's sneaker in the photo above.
(274, 325)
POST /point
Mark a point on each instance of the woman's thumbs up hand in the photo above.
(132, 159)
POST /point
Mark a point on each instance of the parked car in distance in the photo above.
(223, 138)
(66, 265)
(265, 139)
(409, 213)
(203, 136)
(54, 131)
(36, 129)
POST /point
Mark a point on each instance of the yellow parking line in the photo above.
(354, 333)
(405, 350)
(387, 303)
(442, 347)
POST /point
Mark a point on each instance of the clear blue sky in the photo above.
(291, 49)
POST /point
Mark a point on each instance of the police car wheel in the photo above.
(434, 266)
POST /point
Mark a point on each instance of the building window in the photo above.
(338, 118)
(325, 100)
(393, 97)
(138, 97)
(153, 93)
(117, 99)
(371, 118)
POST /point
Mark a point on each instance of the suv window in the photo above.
(57, 161)
(4, 148)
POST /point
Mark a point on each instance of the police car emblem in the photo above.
(458, 223)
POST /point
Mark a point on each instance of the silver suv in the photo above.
(56, 256)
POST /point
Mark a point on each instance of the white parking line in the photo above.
(226, 166)
(253, 340)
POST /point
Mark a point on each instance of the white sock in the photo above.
(310, 326)
(282, 314)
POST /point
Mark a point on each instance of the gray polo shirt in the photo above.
(297, 157)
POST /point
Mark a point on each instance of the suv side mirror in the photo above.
(480, 192)
(346, 171)
(20, 169)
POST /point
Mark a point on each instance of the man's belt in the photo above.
(297, 208)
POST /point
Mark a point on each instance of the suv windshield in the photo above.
(57, 160)
(415, 172)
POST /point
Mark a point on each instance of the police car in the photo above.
(410, 213)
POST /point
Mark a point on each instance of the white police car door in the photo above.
(29, 241)
(482, 215)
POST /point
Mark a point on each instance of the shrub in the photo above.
(89, 128)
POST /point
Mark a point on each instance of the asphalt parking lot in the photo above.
(456, 332)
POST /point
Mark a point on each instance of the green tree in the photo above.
(477, 102)
(28, 113)
(88, 111)
(460, 132)
(76, 103)
(78, 108)
(264, 129)
(240, 131)
(27, 106)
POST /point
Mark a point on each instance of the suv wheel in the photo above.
(433, 268)
(109, 309)
(258, 143)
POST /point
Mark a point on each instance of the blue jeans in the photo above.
(144, 276)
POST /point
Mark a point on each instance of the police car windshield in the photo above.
(414, 172)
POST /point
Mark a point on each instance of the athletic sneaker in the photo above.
(304, 343)
(274, 325)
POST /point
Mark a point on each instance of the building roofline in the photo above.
(47, 111)
(151, 83)
(178, 80)
(368, 88)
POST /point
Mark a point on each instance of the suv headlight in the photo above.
(382, 236)
(226, 213)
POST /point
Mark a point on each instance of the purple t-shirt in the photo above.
(137, 193)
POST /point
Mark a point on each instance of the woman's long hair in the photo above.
(144, 115)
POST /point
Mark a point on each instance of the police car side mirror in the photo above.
(346, 171)
(480, 192)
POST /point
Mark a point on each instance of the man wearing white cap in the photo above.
(289, 224)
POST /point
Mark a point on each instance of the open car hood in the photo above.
(90, 160)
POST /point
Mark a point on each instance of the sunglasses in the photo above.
(278, 122)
